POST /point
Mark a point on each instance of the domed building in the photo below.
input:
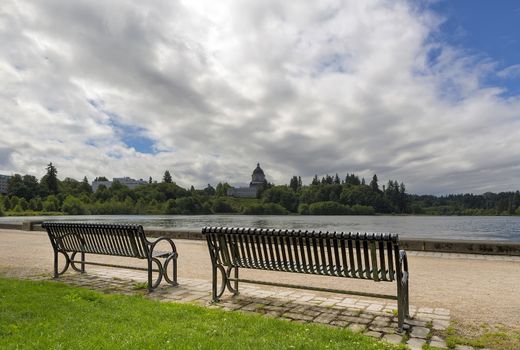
(258, 177)
(257, 182)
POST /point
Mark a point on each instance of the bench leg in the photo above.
(214, 275)
(82, 262)
(150, 284)
(236, 292)
(403, 303)
(55, 275)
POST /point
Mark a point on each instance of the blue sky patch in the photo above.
(488, 30)
(132, 136)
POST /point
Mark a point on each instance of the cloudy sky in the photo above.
(427, 93)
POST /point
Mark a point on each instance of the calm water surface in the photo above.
(503, 228)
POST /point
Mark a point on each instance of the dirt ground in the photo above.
(475, 290)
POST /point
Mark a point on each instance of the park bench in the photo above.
(69, 239)
(374, 257)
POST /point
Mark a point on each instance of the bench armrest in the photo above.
(160, 239)
(403, 260)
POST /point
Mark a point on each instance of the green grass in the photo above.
(52, 315)
(495, 337)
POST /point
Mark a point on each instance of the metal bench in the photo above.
(374, 257)
(69, 239)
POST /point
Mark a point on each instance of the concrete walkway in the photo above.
(467, 288)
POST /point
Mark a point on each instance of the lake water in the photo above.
(501, 228)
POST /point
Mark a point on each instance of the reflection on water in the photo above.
(504, 228)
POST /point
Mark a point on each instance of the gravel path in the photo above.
(474, 288)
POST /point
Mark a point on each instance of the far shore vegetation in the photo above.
(329, 195)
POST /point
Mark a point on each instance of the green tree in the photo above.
(50, 180)
(222, 188)
(73, 206)
(167, 178)
(85, 186)
(328, 208)
(51, 203)
(26, 186)
(220, 205)
(374, 185)
(36, 204)
(303, 209)
(209, 190)
(23, 204)
(293, 183)
(282, 195)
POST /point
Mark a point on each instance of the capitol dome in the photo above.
(258, 177)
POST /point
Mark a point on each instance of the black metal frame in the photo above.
(69, 239)
(365, 256)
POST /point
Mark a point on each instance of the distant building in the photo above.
(130, 183)
(257, 182)
(96, 184)
(126, 181)
(4, 181)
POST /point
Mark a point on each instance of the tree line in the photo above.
(328, 195)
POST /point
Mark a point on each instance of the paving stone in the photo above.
(373, 334)
(375, 307)
(296, 316)
(357, 327)
(438, 344)
(325, 318)
(439, 311)
(415, 343)
(352, 319)
(340, 323)
(393, 338)
(419, 332)
(416, 322)
(424, 317)
(440, 325)
(253, 307)
(463, 347)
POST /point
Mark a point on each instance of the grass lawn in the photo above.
(52, 315)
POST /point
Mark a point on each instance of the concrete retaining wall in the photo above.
(426, 245)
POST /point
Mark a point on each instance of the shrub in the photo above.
(303, 209)
(221, 206)
(265, 209)
(328, 208)
(51, 204)
(73, 206)
(363, 210)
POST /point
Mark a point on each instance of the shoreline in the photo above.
(484, 247)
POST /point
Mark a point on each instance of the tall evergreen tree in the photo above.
(150, 180)
(167, 178)
(294, 183)
(315, 180)
(373, 184)
(50, 180)
(85, 186)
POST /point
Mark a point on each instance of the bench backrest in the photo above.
(120, 240)
(366, 256)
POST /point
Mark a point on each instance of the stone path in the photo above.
(374, 318)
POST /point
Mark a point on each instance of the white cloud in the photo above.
(302, 87)
(510, 72)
